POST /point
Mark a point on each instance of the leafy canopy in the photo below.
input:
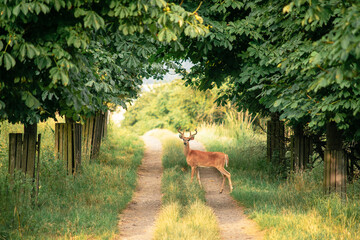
(73, 56)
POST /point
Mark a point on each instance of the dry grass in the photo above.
(197, 223)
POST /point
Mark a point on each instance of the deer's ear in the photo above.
(192, 138)
(180, 136)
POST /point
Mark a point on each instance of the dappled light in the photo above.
(256, 134)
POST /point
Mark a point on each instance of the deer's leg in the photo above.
(229, 178)
(198, 176)
(223, 182)
(228, 175)
(192, 172)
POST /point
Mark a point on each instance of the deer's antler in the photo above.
(193, 134)
(182, 133)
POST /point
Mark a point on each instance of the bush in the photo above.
(170, 106)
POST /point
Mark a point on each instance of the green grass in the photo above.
(84, 207)
(184, 214)
(292, 208)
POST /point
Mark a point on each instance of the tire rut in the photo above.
(138, 219)
(233, 223)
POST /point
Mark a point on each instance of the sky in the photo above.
(171, 75)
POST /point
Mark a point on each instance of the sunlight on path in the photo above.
(233, 222)
(138, 219)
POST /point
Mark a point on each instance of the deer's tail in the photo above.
(226, 159)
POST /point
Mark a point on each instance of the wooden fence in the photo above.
(68, 145)
(335, 172)
(95, 129)
(22, 156)
(301, 152)
(275, 141)
(22, 153)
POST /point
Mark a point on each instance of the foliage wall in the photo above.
(296, 58)
(73, 57)
(172, 105)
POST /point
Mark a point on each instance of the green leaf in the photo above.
(1, 45)
(44, 8)
(161, 34)
(92, 19)
(8, 61)
(339, 75)
(277, 103)
(30, 100)
(16, 10)
(345, 42)
(43, 62)
(79, 12)
(31, 51)
(64, 78)
(59, 74)
(338, 118)
(24, 8)
(22, 51)
(59, 4)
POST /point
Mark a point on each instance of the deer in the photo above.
(197, 158)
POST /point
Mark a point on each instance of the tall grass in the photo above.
(84, 207)
(184, 214)
(292, 208)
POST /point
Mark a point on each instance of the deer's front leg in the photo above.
(198, 176)
(192, 172)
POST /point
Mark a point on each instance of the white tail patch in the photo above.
(226, 159)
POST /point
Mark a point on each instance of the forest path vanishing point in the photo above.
(138, 220)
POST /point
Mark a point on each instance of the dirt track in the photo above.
(233, 222)
(138, 219)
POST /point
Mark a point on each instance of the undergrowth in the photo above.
(81, 207)
(290, 208)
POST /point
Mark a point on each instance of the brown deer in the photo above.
(196, 158)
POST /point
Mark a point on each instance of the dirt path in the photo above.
(138, 219)
(232, 221)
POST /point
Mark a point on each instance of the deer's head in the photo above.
(186, 139)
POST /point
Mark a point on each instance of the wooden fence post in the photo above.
(68, 145)
(275, 140)
(106, 121)
(97, 135)
(301, 150)
(95, 129)
(334, 162)
(22, 156)
(88, 137)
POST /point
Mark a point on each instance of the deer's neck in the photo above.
(187, 149)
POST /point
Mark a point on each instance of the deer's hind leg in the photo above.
(223, 182)
(228, 175)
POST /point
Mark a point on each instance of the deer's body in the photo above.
(196, 158)
(205, 159)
